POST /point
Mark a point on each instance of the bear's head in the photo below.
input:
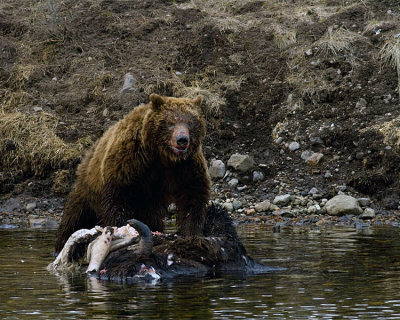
(174, 127)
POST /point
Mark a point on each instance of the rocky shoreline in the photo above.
(287, 210)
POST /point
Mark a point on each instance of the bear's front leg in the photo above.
(191, 196)
(115, 211)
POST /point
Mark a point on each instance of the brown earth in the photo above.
(322, 73)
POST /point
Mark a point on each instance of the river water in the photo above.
(336, 273)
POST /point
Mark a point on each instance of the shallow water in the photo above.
(339, 273)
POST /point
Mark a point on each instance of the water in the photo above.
(340, 273)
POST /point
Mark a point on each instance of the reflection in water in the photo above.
(332, 274)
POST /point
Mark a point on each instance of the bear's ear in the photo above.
(156, 101)
(197, 101)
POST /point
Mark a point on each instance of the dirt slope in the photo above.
(320, 73)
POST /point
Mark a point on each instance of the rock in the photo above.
(250, 211)
(43, 223)
(278, 140)
(258, 176)
(316, 141)
(30, 206)
(313, 191)
(314, 159)
(368, 213)
(106, 112)
(237, 204)
(262, 206)
(293, 146)
(341, 205)
(282, 200)
(11, 205)
(364, 202)
(306, 154)
(361, 104)
(328, 174)
(217, 169)
(241, 162)
(228, 206)
(37, 109)
(233, 182)
(129, 81)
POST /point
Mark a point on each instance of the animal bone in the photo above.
(64, 257)
(98, 250)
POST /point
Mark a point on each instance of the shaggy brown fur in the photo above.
(144, 162)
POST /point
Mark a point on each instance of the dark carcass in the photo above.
(156, 256)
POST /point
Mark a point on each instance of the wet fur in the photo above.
(132, 172)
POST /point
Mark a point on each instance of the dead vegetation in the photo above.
(28, 144)
(390, 54)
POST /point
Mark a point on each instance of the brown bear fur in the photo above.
(137, 168)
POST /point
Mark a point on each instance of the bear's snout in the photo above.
(180, 138)
(182, 141)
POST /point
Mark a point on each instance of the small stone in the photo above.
(361, 104)
(241, 162)
(233, 182)
(43, 223)
(30, 206)
(306, 154)
(178, 73)
(312, 209)
(309, 52)
(314, 159)
(328, 174)
(278, 140)
(228, 206)
(316, 141)
(293, 146)
(282, 199)
(242, 188)
(129, 82)
(37, 109)
(258, 176)
(313, 191)
(368, 213)
(262, 206)
(364, 202)
(250, 211)
(236, 204)
(217, 169)
(105, 112)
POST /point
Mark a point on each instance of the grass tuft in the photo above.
(390, 54)
(28, 144)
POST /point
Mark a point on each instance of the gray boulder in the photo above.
(343, 204)
(241, 162)
(217, 169)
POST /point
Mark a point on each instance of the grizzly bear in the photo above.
(147, 160)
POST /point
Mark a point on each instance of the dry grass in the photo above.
(284, 37)
(391, 132)
(390, 54)
(339, 42)
(212, 100)
(13, 100)
(29, 144)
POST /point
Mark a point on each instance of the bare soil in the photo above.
(313, 72)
